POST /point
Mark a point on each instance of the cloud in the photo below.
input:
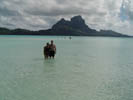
(126, 10)
(42, 14)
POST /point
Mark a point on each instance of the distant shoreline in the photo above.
(69, 36)
(75, 27)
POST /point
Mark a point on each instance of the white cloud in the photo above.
(42, 14)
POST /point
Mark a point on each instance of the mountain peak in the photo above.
(77, 19)
(62, 20)
(60, 23)
(74, 27)
(76, 22)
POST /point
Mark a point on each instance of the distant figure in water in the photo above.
(52, 50)
(70, 37)
(49, 50)
(46, 51)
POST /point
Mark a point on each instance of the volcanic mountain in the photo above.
(75, 27)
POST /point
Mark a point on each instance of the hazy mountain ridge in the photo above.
(75, 27)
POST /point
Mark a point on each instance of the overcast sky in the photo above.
(115, 15)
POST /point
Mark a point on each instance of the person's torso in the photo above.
(47, 49)
(52, 47)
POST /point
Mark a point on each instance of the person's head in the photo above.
(52, 41)
(47, 44)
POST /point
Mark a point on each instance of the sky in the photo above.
(114, 15)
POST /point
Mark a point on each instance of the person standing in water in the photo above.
(52, 50)
(46, 51)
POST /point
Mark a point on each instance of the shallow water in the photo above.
(85, 68)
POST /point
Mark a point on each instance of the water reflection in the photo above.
(49, 62)
(49, 67)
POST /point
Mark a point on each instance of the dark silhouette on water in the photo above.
(46, 51)
(49, 50)
(70, 37)
(52, 50)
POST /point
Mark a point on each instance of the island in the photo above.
(75, 27)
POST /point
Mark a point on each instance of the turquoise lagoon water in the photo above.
(85, 68)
